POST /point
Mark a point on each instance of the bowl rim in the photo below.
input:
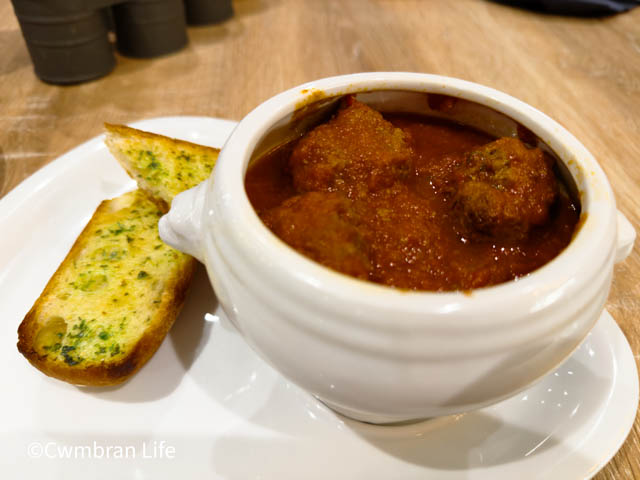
(589, 251)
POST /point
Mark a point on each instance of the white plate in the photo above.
(206, 405)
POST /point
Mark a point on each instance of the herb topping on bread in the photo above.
(162, 166)
(113, 299)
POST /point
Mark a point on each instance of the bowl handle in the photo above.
(625, 238)
(181, 226)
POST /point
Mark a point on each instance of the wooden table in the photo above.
(585, 73)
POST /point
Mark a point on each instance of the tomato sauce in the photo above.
(410, 233)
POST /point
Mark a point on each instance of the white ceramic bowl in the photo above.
(372, 352)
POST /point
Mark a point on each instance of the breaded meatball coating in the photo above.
(355, 152)
(332, 235)
(503, 189)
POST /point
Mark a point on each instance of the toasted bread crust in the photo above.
(110, 371)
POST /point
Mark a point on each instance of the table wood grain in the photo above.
(585, 73)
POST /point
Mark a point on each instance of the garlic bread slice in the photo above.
(113, 299)
(162, 166)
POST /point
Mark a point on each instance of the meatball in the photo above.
(355, 152)
(408, 247)
(332, 234)
(503, 190)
